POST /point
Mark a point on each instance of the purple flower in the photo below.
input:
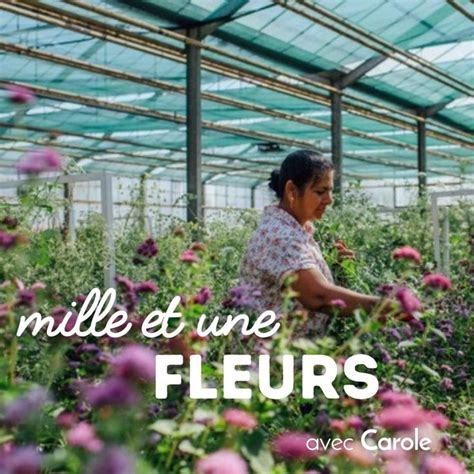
(447, 383)
(25, 460)
(19, 94)
(113, 460)
(25, 298)
(408, 301)
(113, 391)
(125, 283)
(395, 334)
(291, 446)
(386, 357)
(7, 240)
(203, 296)
(386, 289)
(355, 422)
(83, 436)
(25, 407)
(243, 296)
(148, 248)
(135, 363)
(39, 161)
(222, 461)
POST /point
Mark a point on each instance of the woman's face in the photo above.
(317, 196)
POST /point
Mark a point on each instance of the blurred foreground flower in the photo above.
(40, 161)
(19, 94)
(220, 462)
(408, 301)
(442, 464)
(136, 363)
(83, 436)
(291, 446)
(189, 256)
(113, 460)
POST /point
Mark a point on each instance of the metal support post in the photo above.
(421, 158)
(106, 194)
(193, 130)
(445, 239)
(252, 196)
(336, 139)
(69, 230)
(142, 203)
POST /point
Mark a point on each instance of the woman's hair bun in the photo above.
(274, 183)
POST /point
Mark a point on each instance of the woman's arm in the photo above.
(315, 292)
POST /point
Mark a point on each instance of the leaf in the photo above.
(190, 429)
(166, 427)
(406, 344)
(257, 452)
(439, 333)
(187, 447)
(430, 371)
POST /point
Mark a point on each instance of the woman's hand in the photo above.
(343, 253)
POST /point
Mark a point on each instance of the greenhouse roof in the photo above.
(110, 80)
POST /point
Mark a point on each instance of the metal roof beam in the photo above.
(101, 30)
(360, 71)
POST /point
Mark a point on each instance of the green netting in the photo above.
(269, 34)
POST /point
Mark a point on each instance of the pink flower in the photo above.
(66, 419)
(19, 94)
(39, 161)
(436, 419)
(390, 398)
(203, 296)
(292, 446)
(338, 303)
(400, 417)
(408, 301)
(442, 464)
(25, 460)
(338, 425)
(220, 462)
(436, 280)
(400, 466)
(136, 363)
(7, 240)
(355, 422)
(189, 256)
(239, 418)
(83, 435)
(407, 253)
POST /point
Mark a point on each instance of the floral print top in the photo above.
(281, 246)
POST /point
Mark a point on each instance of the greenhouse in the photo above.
(304, 167)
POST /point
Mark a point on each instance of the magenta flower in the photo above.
(25, 298)
(10, 222)
(338, 425)
(148, 248)
(19, 94)
(447, 383)
(112, 460)
(7, 240)
(222, 461)
(83, 436)
(407, 253)
(291, 446)
(438, 281)
(125, 283)
(338, 303)
(189, 256)
(400, 417)
(40, 161)
(135, 363)
(355, 422)
(114, 391)
(442, 464)
(239, 418)
(203, 296)
(66, 419)
(145, 287)
(408, 301)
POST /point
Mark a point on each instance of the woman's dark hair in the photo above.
(302, 167)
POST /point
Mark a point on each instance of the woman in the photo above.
(283, 244)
